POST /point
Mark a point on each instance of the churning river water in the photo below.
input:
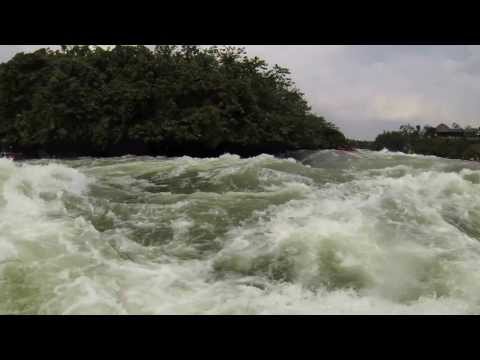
(322, 233)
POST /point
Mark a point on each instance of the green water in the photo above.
(320, 233)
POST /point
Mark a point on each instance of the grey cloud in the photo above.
(8, 51)
(367, 89)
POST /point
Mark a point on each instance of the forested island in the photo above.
(169, 100)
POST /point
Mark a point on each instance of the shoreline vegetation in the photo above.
(425, 141)
(172, 101)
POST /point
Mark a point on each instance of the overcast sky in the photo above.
(368, 89)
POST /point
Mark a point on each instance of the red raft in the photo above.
(343, 150)
(9, 155)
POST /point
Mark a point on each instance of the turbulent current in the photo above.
(322, 232)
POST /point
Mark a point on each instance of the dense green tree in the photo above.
(428, 131)
(86, 100)
(393, 140)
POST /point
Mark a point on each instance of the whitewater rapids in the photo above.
(322, 232)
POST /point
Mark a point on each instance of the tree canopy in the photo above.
(87, 100)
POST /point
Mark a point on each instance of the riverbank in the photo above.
(409, 140)
(242, 153)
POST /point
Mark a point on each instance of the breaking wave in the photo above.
(326, 232)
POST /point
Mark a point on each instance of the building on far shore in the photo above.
(443, 130)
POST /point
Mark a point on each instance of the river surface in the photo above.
(322, 232)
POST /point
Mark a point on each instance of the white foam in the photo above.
(393, 240)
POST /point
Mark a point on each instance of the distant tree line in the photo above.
(361, 144)
(415, 139)
(88, 100)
